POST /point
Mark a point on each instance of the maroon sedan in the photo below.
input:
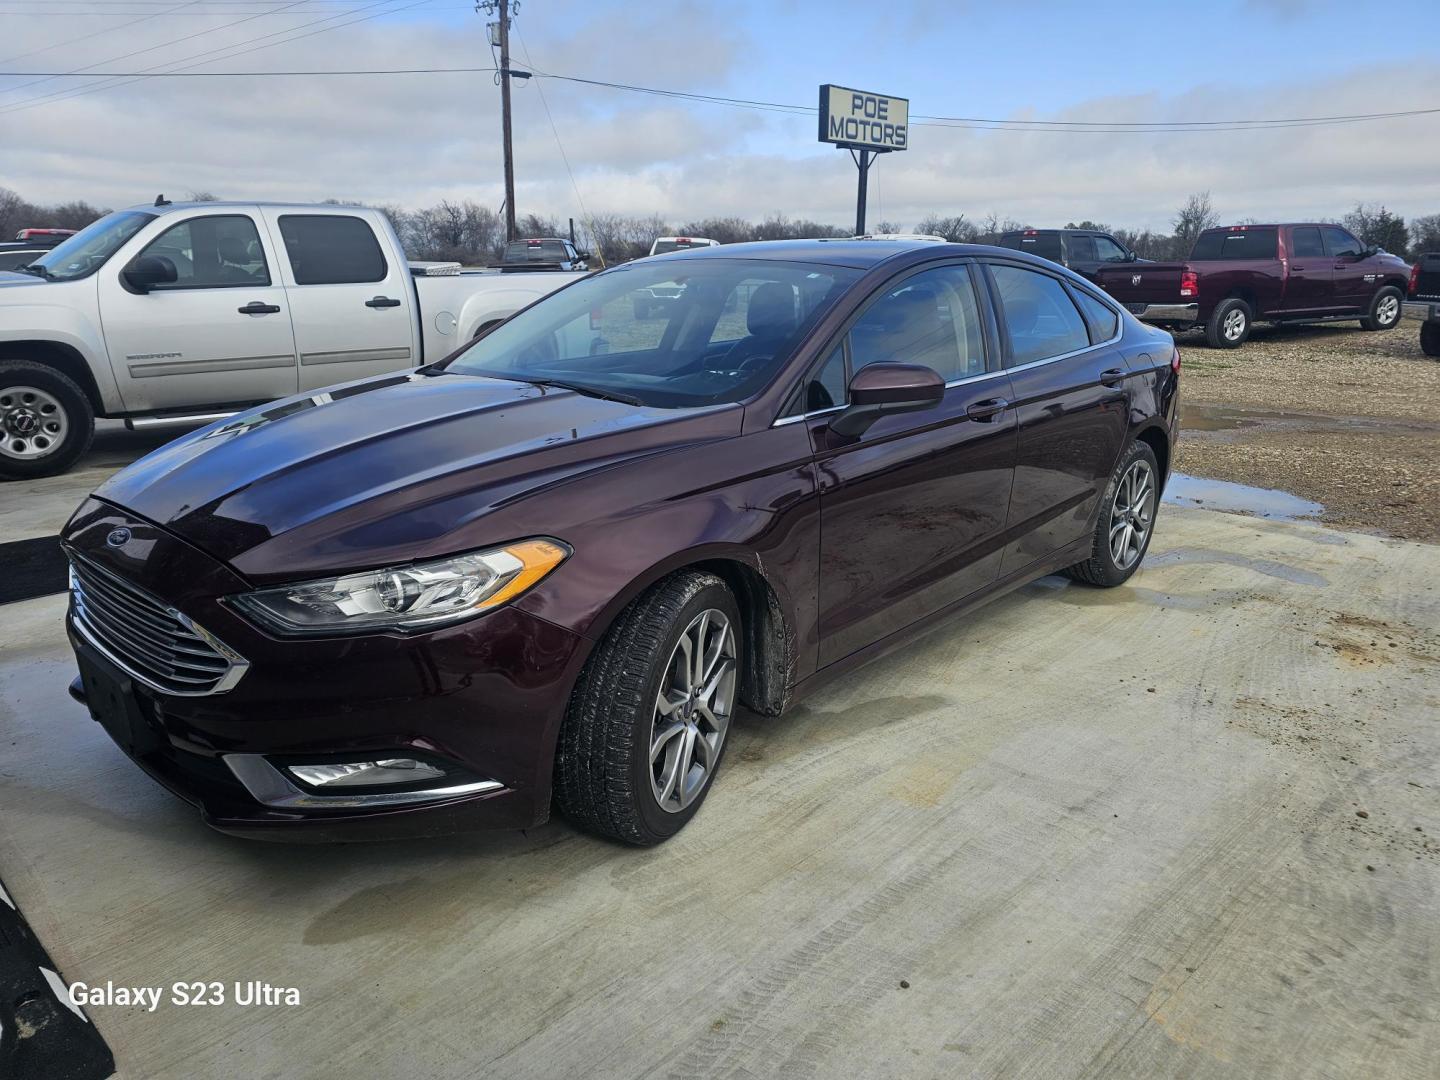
(551, 567)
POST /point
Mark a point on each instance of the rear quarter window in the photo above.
(1236, 244)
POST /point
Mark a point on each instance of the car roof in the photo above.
(248, 204)
(858, 254)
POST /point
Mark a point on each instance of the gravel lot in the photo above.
(1346, 418)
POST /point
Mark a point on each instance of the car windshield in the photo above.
(87, 250)
(669, 335)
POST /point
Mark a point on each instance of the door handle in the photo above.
(985, 410)
(255, 307)
(381, 302)
(1113, 376)
(1296, 266)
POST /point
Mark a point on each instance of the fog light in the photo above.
(365, 773)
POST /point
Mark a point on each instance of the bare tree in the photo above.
(1424, 234)
(958, 229)
(206, 196)
(1191, 220)
(1374, 224)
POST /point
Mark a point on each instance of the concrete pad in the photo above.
(1080, 833)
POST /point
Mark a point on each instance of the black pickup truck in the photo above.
(1424, 301)
(1086, 251)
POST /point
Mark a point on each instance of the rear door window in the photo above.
(1235, 244)
(1038, 315)
(1082, 248)
(1305, 243)
(331, 249)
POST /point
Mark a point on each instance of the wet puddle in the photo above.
(1184, 490)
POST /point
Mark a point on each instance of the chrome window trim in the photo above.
(953, 382)
(238, 664)
(269, 786)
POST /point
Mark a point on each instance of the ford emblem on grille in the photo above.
(118, 537)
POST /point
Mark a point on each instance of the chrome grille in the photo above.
(152, 642)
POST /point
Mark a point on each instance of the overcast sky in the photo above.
(414, 139)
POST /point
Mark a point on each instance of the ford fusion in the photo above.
(550, 568)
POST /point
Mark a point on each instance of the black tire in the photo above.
(1217, 336)
(602, 760)
(1430, 338)
(1390, 318)
(25, 452)
(1101, 568)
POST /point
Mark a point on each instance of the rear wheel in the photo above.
(1384, 310)
(46, 422)
(1430, 338)
(1125, 522)
(645, 730)
(1229, 324)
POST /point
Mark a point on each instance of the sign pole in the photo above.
(863, 161)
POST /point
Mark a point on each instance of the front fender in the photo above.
(65, 314)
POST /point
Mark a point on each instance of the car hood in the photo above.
(388, 469)
(14, 279)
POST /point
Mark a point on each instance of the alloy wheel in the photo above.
(692, 711)
(1234, 325)
(1387, 310)
(1132, 514)
(33, 423)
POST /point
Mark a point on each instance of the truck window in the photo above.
(1038, 316)
(1306, 243)
(1339, 242)
(1237, 243)
(331, 249)
(213, 252)
(548, 252)
(1046, 245)
(1082, 248)
(1107, 250)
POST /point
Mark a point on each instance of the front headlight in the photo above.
(424, 594)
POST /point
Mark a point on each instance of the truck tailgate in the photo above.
(1137, 284)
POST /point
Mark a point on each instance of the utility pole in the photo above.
(501, 36)
(863, 162)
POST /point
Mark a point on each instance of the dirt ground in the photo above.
(1346, 418)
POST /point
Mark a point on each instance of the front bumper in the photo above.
(487, 695)
(1165, 313)
(1425, 310)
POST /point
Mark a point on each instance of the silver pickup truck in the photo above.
(180, 313)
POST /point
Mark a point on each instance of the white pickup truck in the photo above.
(182, 313)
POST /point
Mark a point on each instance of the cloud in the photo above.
(415, 139)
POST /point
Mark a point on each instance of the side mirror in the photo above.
(1369, 251)
(883, 389)
(148, 271)
(1130, 256)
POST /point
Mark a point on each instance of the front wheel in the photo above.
(1125, 522)
(46, 422)
(1229, 324)
(645, 730)
(1430, 338)
(1384, 310)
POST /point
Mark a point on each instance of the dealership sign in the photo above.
(863, 121)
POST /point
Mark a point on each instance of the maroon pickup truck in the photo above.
(1241, 274)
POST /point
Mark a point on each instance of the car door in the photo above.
(218, 334)
(1068, 381)
(1350, 289)
(912, 511)
(352, 307)
(1309, 276)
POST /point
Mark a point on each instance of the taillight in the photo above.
(1175, 361)
(1189, 283)
(1415, 280)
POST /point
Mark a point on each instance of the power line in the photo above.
(918, 119)
(232, 50)
(107, 30)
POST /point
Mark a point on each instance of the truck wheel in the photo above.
(45, 420)
(1430, 339)
(1384, 310)
(1229, 324)
(645, 730)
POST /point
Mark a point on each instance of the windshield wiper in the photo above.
(37, 270)
(589, 391)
